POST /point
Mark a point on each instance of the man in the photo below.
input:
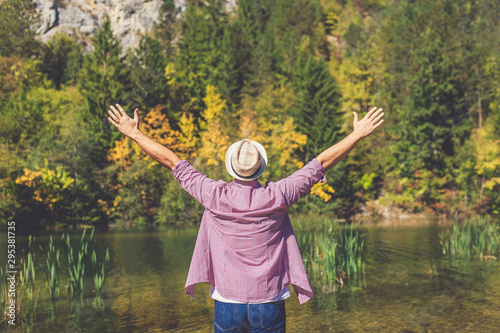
(246, 248)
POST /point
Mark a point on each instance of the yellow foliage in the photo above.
(491, 183)
(332, 21)
(47, 183)
(487, 154)
(117, 200)
(287, 140)
(188, 138)
(157, 127)
(323, 191)
(355, 80)
(121, 154)
(214, 137)
(492, 69)
(29, 178)
(105, 207)
(215, 104)
(247, 127)
(170, 74)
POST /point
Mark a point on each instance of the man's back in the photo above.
(246, 246)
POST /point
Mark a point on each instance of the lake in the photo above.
(408, 285)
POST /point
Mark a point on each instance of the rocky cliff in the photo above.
(129, 18)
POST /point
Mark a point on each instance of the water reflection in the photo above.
(407, 286)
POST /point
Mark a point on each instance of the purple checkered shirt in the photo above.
(246, 246)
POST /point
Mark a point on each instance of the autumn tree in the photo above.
(214, 139)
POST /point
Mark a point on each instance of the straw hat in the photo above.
(246, 160)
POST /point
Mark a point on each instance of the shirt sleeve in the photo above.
(300, 182)
(194, 182)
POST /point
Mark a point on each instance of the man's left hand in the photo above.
(123, 122)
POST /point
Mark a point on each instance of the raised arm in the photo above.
(130, 128)
(362, 129)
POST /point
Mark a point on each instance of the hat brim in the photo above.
(229, 167)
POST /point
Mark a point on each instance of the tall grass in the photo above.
(332, 254)
(27, 274)
(51, 269)
(76, 263)
(476, 237)
(3, 287)
(26, 303)
(99, 273)
(351, 248)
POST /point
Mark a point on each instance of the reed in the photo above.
(3, 287)
(99, 273)
(51, 269)
(76, 263)
(26, 303)
(324, 256)
(351, 247)
(475, 237)
(331, 254)
(304, 241)
(27, 274)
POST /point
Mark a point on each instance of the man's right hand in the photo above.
(369, 123)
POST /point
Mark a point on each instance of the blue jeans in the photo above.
(255, 318)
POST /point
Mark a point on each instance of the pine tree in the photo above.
(61, 59)
(104, 81)
(193, 63)
(316, 111)
(150, 87)
(227, 77)
(206, 55)
(428, 83)
(292, 20)
(166, 29)
(252, 48)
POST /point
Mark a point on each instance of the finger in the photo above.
(379, 123)
(377, 117)
(116, 112)
(375, 113)
(113, 116)
(136, 115)
(355, 117)
(371, 111)
(121, 110)
(111, 121)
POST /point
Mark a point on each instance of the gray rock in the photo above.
(129, 18)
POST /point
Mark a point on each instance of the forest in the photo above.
(286, 73)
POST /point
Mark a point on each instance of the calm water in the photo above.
(407, 286)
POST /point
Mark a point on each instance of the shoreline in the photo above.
(374, 213)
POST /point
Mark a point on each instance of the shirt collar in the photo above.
(252, 183)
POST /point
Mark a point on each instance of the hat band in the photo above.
(246, 177)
